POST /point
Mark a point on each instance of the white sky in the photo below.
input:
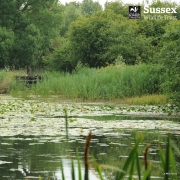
(133, 2)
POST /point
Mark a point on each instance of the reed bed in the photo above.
(107, 83)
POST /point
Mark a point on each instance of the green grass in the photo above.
(2, 75)
(109, 83)
(7, 80)
(152, 99)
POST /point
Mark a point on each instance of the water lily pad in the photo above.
(5, 162)
(32, 177)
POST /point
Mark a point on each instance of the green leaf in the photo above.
(79, 168)
(62, 170)
(138, 166)
(128, 161)
(98, 168)
(166, 170)
(147, 172)
(162, 158)
(72, 170)
(173, 165)
(132, 168)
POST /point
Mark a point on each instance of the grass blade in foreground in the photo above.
(166, 168)
(66, 121)
(98, 168)
(72, 170)
(79, 169)
(174, 146)
(162, 158)
(62, 170)
(128, 161)
(173, 165)
(138, 166)
(132, 168)
(147, 173)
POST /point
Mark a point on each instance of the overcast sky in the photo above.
(133, 2)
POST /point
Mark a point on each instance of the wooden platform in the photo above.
(29, 80)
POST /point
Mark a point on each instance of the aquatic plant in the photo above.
(132, 161)
(110, 83)
(66, 121)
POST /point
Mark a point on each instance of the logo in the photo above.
(159, 10)
(134, 12)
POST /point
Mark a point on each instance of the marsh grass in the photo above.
(7, 81)
(3, 83)
(151, 99)
(2, 75)
(131, 166)
(66, 121)
(109, 83)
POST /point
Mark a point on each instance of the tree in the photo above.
(10, 14)
(35, 24)
(6, 44)
(27, 46)
(170, 57)
(100, 39)
(89, 39)
(61, 59)
(117, 7)
(71, 13)
(89, 7)
(46, 15)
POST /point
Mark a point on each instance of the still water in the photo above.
(33, 138)
(31, 157)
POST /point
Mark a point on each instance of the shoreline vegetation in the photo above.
(91, 52)
(125, 84)
(132, 166)
(94, 53)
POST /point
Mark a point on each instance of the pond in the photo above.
(33, 138)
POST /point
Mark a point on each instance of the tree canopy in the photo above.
(47, 34)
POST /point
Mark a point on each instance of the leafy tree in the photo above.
(99, 39)
(127, 42)
(170, 57)
(177, 15)
(35, 24)
(88, 37)
(71, 13)
(117, 7)
(88, 7)
(61, 59)
(153, 30)
(10, 14)
(6, 44)
(27, 46)
(46, 15)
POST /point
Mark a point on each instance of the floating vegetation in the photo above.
(33, 117)
(37, 125)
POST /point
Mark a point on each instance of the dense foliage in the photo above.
(48, 34)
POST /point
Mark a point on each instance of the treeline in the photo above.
(47, 34)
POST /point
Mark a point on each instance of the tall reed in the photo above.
(106, 83)
(66, 121)
(132, 165)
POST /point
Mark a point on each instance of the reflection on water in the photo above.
(33, 157)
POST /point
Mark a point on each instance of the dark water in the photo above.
(31, 157)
